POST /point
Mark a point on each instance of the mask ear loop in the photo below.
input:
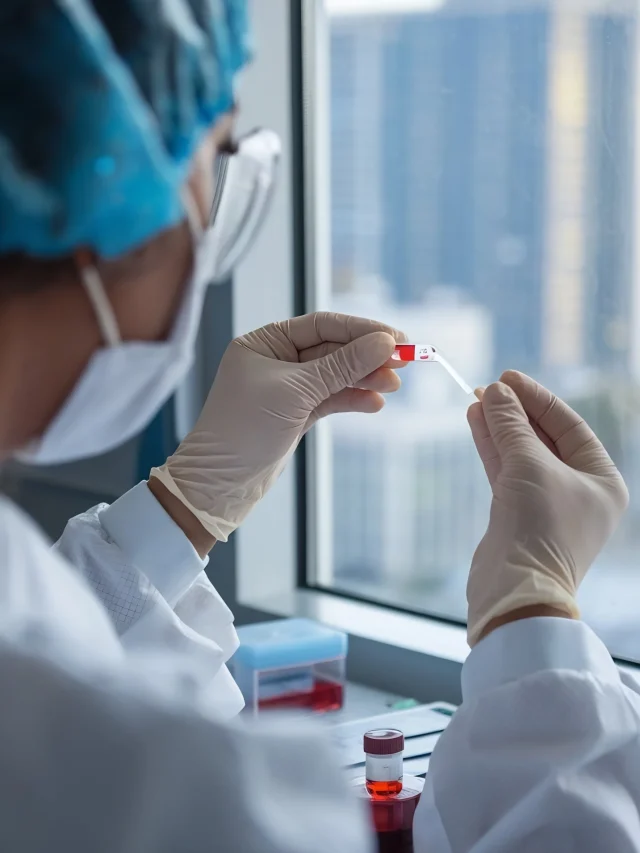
(102, 308)
(94, 287)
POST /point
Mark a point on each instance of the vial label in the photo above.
(424, 353)
(384, 768)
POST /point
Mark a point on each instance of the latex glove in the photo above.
(557, 498)
(272, 386)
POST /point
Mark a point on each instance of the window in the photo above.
(484, 199)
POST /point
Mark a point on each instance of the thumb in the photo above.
(348, 365)
(507, 421)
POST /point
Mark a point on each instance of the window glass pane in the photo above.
(484, 199)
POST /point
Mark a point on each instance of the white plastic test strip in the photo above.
(428, 353)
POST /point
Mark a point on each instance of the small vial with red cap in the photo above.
(428, 354)
(392, 796)
(415, 352)
(383, 750)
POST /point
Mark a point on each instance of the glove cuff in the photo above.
(217, 527)
(535, 590)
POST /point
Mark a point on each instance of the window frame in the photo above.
(393, 649)
(388, 647)
(309, 25)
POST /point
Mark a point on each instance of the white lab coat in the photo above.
(112, 737)
(544, 753)
(110, 733)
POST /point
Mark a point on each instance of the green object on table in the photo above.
(446, 711)
(404, 704)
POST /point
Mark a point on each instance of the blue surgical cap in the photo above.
(102, 104)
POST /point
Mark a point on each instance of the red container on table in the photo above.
(392, 796)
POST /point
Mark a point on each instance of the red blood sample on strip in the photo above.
(428, 353)
(415, 352)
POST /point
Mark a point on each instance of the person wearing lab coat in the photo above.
(116, 729)
(116, 163)
(105, 258)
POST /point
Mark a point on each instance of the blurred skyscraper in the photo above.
(493, 153)
(485, 197)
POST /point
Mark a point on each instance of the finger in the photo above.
(544, 438)
(507, 421)
(314, 329)
(323, 349)
(566, 429)
(484, 442)
(349, 400)
(348, 366)
(383, 380)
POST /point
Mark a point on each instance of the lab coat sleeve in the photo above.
(544, 752)
(91, 762)
(152, 582)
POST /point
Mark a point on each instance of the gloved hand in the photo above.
(272, 386)
(557, 498)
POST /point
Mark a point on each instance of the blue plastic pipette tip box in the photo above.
(288, 642)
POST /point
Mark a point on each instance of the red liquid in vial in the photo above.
(392, 816)
(325, 696)
(384, 789)
(393, 820)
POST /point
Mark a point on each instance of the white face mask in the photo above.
(126, 383)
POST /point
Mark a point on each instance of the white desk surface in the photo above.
(422, 726)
